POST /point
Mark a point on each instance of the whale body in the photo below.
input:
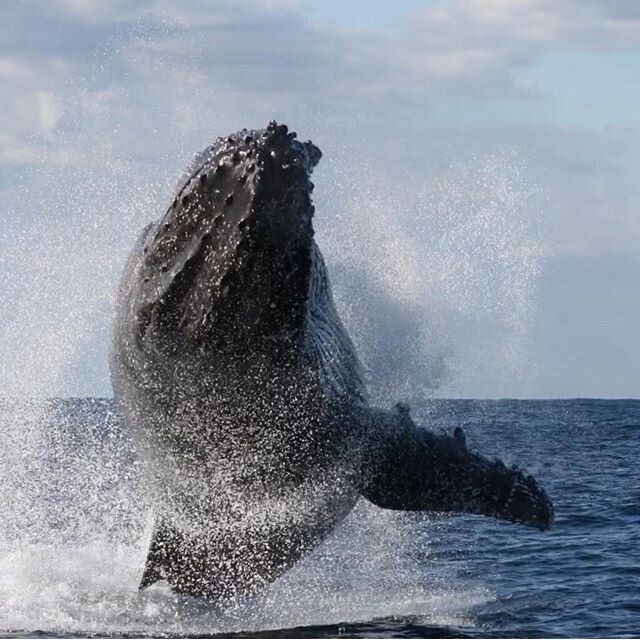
(243, 391)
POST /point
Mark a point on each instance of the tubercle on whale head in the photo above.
(233, 250)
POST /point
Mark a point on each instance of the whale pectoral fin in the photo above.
(408, 467)
(189, 563)
(158, 557)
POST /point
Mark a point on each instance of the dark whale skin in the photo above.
(243, 391)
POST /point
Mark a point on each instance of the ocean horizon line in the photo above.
(101, 398)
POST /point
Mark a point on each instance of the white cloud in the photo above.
(162, 74)
(29, 102)
(255, 47)
(97, 11)
(483, 45)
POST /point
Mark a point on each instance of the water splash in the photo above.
(434, 275)
(72, 561)
(429, 284)
(436, 279)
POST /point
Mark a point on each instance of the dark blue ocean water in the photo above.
(74, 522)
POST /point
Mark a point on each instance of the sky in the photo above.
(478, 202)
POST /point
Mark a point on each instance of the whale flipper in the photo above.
(408, 467)
(188, 563)
(157, 564)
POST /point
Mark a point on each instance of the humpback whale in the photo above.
(244, 394)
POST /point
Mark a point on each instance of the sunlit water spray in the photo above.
(410, 281)
(434, 276)
(75, 539)
(75, 517)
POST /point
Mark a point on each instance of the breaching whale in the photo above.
(243, 391)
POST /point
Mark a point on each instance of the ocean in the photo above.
(74, 523)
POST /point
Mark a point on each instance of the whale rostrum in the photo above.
(243, 391)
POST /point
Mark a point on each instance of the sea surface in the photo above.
(74, 524)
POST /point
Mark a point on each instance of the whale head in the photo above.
(232, 253)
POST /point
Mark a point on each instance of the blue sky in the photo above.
(478, 202)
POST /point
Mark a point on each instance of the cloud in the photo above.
(272, 52)
(484, 45)
(261, 46)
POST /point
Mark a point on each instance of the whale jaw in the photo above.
(232, 252)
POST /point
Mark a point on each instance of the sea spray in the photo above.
(434, 274)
